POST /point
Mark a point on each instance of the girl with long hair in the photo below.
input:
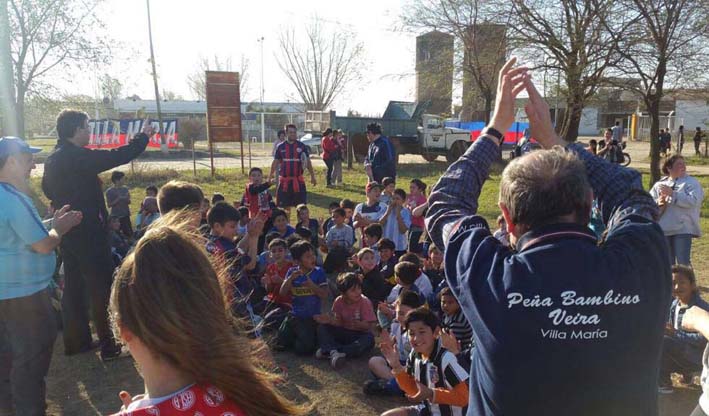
(168, 306)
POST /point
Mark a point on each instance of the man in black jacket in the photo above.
(71, 178)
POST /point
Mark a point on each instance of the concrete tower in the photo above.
(483, 57)
(434, 71)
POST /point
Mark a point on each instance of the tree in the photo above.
(111, 88)
(568, 36)
(322, 64)
(479, 29)
(168, 95)
(47, 35)
(664, 45)
(196, 80)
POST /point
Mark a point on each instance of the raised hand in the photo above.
(148, 128)
(450, 342)
(390, 353)
(511, 83)
(540, 125)
(255, 226)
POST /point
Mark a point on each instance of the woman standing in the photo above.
(330, 150)
(679, 197)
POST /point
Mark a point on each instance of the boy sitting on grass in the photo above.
(406, 274)
(384, 383)
(681, 349)
(339, 241)
(432, 374)
(372, 234)
(347, 331)
(456, 334)
(387, 261)
(308, 285)
(280, 224)
(373, 286)
(422, 282)
(223, 219)
(278, 306)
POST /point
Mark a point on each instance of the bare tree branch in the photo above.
(321, 67)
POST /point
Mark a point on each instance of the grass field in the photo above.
(83, 385)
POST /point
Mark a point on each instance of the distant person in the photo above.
(28, 328)
(665, 142)
(71, 178)
(593, 146)
(679, 197)
(698, 135)
(617, 132)
(290, 161)
(611, 150)
(118, 199)
(380, 161)
(331, 152)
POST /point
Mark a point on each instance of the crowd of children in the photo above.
(331, 287)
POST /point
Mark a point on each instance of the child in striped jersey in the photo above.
(432, 375)
(456, 334)
(384, 383)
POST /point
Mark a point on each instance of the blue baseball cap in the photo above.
(14, 145)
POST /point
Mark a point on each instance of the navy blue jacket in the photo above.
(382, 156)
(563, 325)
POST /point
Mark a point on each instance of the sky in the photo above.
(184, 31)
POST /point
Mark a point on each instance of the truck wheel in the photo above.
(429, 157)
(456, 151)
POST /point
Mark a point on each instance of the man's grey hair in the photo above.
(542, 186)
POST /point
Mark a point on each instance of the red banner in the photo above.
(110, 133)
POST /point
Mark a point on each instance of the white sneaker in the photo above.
(337, 359)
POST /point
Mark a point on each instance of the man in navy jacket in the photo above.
(564, 325)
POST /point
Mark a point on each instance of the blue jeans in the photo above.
(28, 329)
(680, 248)
(351, 343)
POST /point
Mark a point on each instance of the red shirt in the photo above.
(347, 313)
(274, 294)
(411, 203)
(197, 400)
(329, 147)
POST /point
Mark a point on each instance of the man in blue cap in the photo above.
(71, 177)
(27, 325)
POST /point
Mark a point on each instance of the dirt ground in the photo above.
(83, 385)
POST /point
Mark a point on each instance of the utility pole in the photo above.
(261, 93)
(8, 115)
(163, 139)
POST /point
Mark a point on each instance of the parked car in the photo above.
(313, 142)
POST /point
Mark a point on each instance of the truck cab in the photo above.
(438, 140)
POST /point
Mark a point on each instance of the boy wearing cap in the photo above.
(118, 199)
(27, 260)
(371, 211)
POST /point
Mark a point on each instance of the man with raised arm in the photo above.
(563, 325)
(71, 178)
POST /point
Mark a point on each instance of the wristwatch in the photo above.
(491, 131)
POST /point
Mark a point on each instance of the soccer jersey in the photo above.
(257, 199)
(193, 400)
(460, 327)
(292, 156)
(440, 371)
(305, 302)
